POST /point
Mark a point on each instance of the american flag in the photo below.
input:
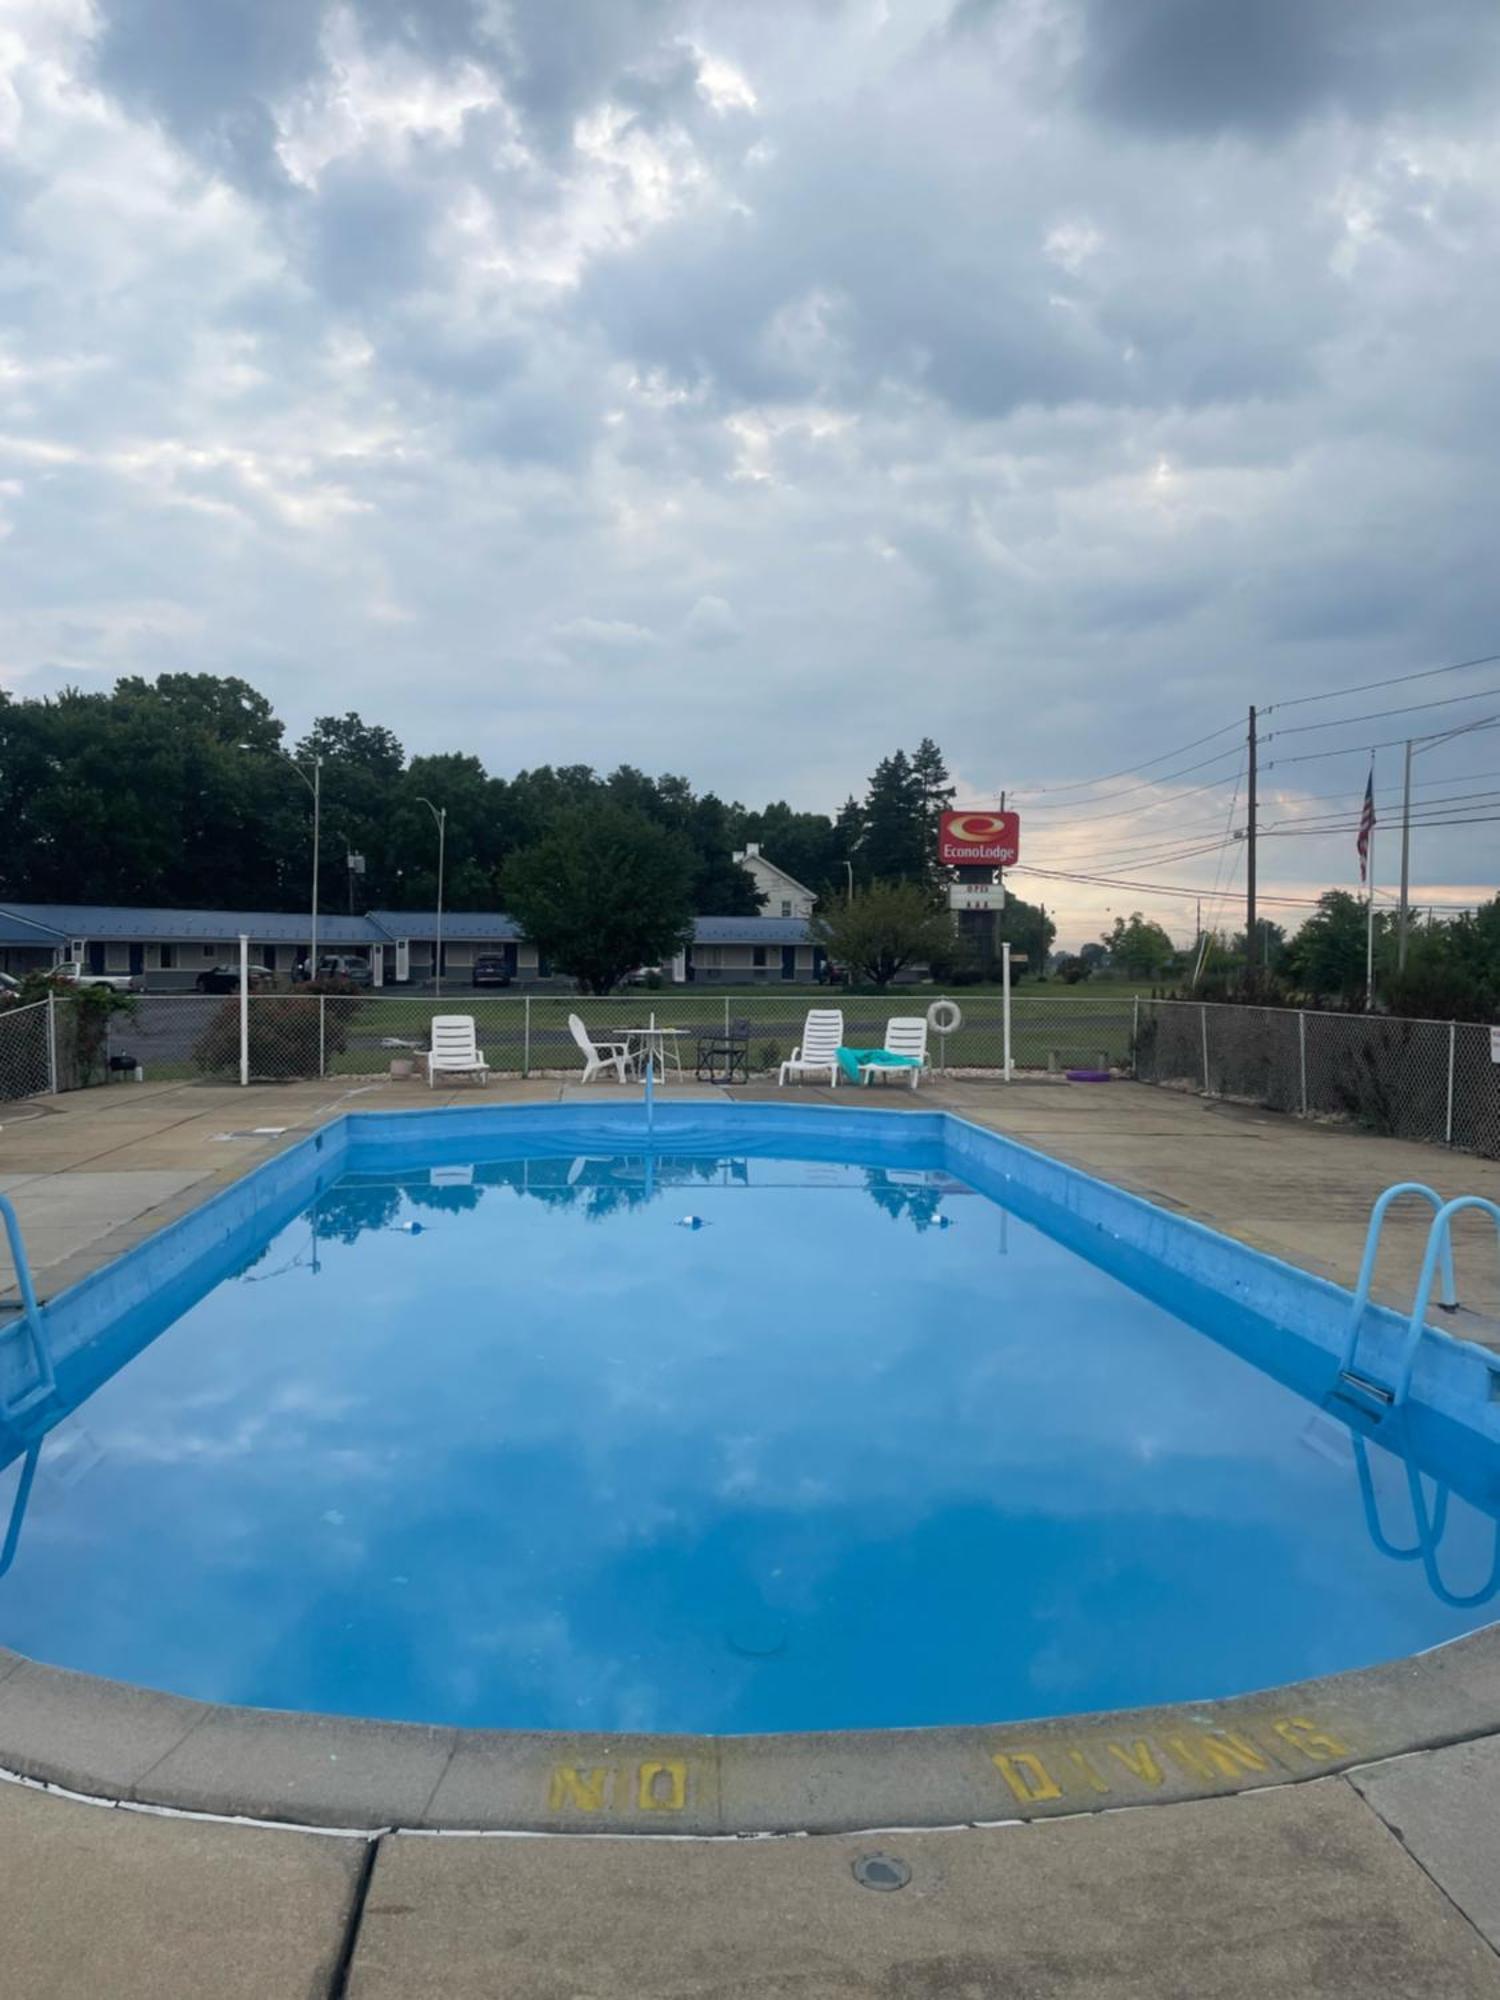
(1366, 826)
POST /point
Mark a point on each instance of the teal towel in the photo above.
(850, 1060)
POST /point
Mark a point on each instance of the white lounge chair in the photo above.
(453, 1051)
(599, 1056)
(905, 1035)
(822, 1032)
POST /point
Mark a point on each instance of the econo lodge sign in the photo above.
(979, 839)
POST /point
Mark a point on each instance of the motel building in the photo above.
(168, 949)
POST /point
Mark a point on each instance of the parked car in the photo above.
(334, 965)
(78, 975)
(490, 969)
(226, 979)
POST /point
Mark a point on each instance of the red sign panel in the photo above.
(979, 839)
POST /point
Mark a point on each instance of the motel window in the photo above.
(209, 950)
(758, 956)
(168, 957)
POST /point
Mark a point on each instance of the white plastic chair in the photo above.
(905, 1035)
(453, 1051)
(822, 1033)
(599, 1056)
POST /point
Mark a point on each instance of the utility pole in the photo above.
(1401, 920)
(1250, 921)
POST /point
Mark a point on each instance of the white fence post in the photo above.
(526, 1040)
(1135, 1029)
(244, 1009)
(322, 1034)
(1203, 1016)
(1302, 1056)
(1005, 979)
(52, 1045)
(1452, 1050)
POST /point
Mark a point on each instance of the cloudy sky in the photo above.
(747, 389)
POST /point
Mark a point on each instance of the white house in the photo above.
(782, 894)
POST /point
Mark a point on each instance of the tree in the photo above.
(934, 796)
(1026, 927)
(892, 847)
(602, 891)
(882, 930)
(1139, 947)
(1327, 956)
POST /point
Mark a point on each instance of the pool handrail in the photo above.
(1439, 1243)
(1372, 1251)
(31, 1317)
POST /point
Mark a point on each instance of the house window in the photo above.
(758, 955)
(209, 950)
(786, 906)
(168, 957)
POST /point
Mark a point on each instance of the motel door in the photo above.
(789, 961)
(403, 960)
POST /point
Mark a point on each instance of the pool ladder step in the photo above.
(44, 1381)
(1356, 1381)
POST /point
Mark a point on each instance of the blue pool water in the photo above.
(709, 1443)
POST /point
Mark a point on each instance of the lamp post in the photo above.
(315, 785)
(440, 814)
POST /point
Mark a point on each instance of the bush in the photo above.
(284, 1032)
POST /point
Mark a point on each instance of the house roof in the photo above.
(748, 860)
(105, 921)
(56, 923)
(476, 924)
(15, 929)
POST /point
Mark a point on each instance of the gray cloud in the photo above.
(1049, 376)
(1262, 66)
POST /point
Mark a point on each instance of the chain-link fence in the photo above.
(28, 1060)
(188, 1036)
(1430, 1080)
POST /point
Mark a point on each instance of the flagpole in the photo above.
(1370, 908)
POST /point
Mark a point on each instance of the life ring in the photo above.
(945, 1017)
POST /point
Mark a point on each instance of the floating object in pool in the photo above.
(945, 1222)
(410, 1228)
(691, 1222)
(1089, 1076)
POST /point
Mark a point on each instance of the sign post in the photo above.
(975, 844)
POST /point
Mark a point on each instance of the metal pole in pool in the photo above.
(650, 1097)
(244, 1008)
(1005, 982)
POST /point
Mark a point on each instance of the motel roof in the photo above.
(54, 923)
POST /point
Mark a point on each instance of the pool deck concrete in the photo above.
(1378, 1879)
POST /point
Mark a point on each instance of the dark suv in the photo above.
(490, 969)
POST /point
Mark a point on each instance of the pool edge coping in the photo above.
(116, 1742)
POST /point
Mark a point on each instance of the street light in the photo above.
(440, 814)
(315, 785)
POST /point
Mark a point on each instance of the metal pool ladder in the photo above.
(31, 1319)
(1391, 1395)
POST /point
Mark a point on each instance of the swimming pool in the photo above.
(781, 1421)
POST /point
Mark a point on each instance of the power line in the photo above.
(1138, 812)
(1396, 680)
(1379, 714)
(1130, 770)
(1156, 888)
(1165, 779)
(1364, 749)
